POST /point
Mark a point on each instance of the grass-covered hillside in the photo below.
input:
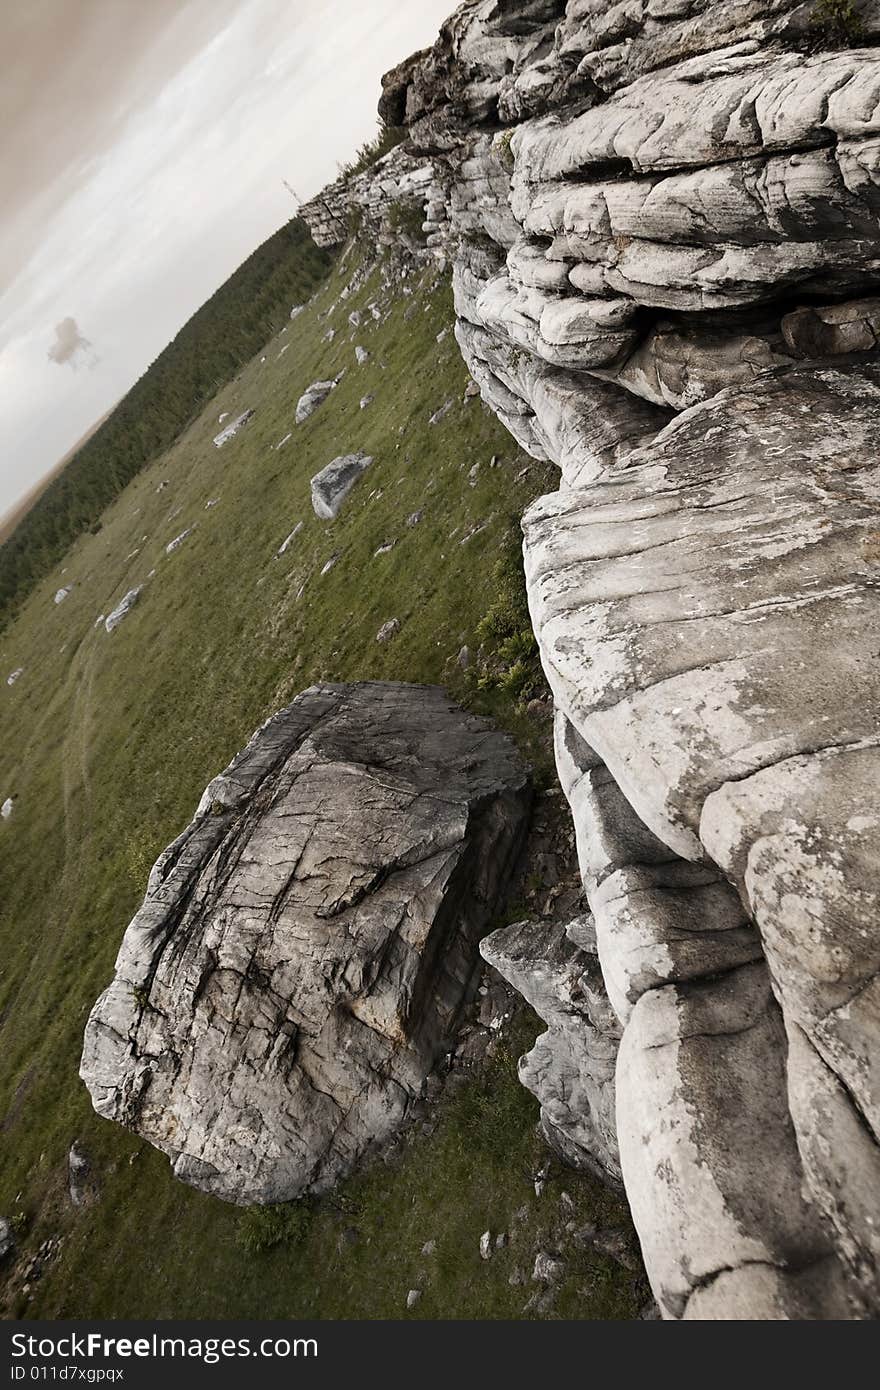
(106, 742)
(207, 352)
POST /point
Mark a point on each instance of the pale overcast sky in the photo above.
(143, 145)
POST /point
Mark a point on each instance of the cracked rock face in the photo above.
(711, 657)
(305, 944)
(571, 1067)
(664, 223)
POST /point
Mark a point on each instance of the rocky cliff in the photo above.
(664, 223)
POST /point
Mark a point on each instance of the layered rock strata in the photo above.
(664, 218)
(306, 943)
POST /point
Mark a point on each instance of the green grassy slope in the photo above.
(107, 742)
(210, 348)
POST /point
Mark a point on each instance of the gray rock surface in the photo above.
(178, 541)
(288, 540)
(571, 1067)
(7, 1238)
(388, 630)
(306, 943)
(715, 651)
(332, 485)
(315, 395)
(232, 429)
(78, 1169)
(123, 608)
(664, 221)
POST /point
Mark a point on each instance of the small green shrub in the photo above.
(836, 23)
(503, 150)
(139, 859)
(405, 220)
(509, 660)
(373, 150)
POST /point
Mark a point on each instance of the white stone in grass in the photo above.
(413, 1297)
(388, 630)
(7, 808)
(549, 1268)
(285, 544)
(123, 608)
(311, 398)
(486, 1245)
(14, 675)
(61, 594)
(178, 540)
(332, 485)
(362, 355)
(439, 414)
(232, 430)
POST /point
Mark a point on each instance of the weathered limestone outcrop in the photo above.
(664, 219)
(306, 943)
(376, 200)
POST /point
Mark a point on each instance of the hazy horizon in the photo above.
(144, 150)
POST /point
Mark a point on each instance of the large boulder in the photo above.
(305, 944)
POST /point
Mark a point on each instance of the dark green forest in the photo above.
(218, 340)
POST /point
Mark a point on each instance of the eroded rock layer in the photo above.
(664, 219)
(306, 943)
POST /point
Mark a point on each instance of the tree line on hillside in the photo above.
(216, 342)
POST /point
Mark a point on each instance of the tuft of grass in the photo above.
(383, 142)
(263, 1228)
(405, 219)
